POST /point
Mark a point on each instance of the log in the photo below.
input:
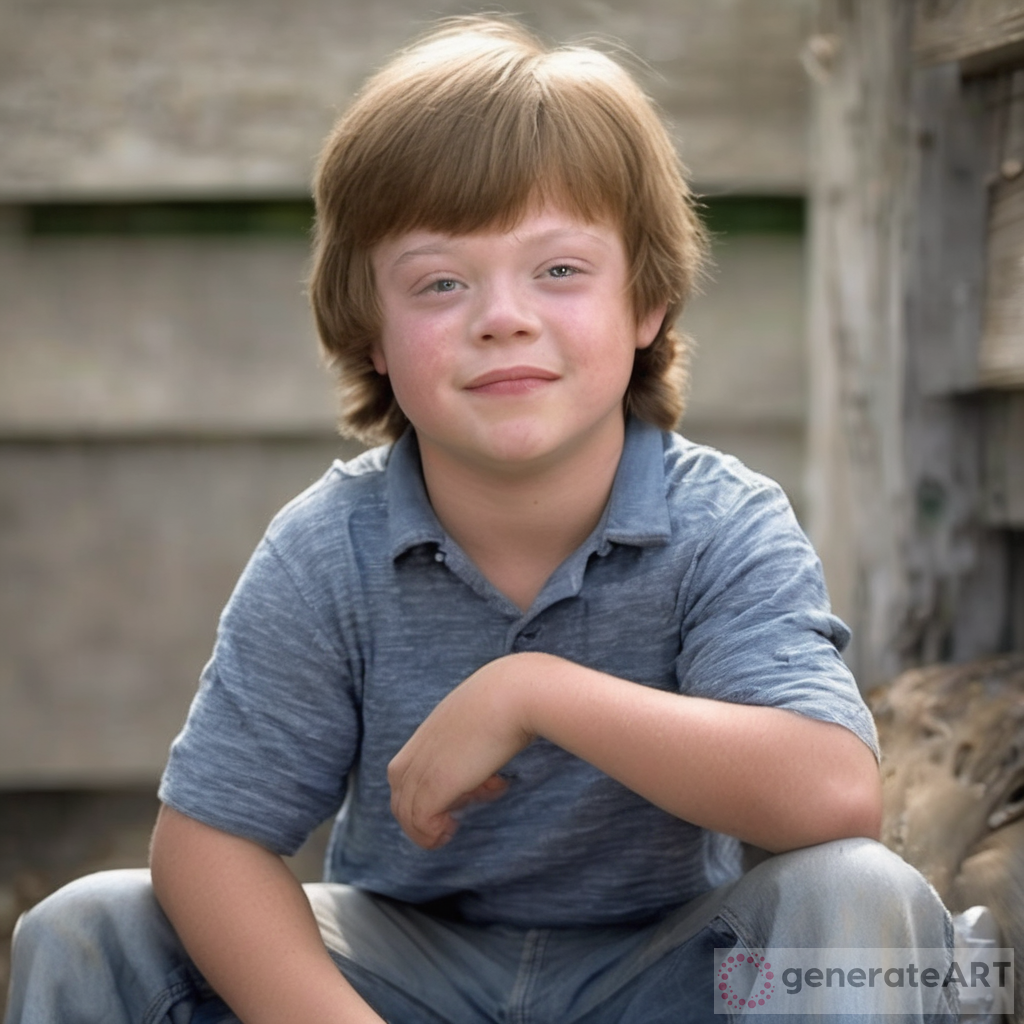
(952, 739)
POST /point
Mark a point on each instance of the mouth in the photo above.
(511, 380)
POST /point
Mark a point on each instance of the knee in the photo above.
(87, 912)
(855, 888)
(861, 872)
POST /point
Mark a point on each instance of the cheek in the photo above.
(609, 350)
(415, 368)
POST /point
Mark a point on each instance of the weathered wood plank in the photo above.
(856, 482)
(1001, 359)
(1001, 355)
(189, 336)
(750, 359)
(117, 559)
(955, 567)
(108, 99)
(1004, 460)
(1015, 631)
(158, 336)
(749, 374)
(957, 127)
(982, 34)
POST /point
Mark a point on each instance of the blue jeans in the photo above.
(100, 951)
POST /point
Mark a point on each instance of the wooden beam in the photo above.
(857, 488)
(983, 35)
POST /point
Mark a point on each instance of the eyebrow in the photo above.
(444, 247)
(431, 249)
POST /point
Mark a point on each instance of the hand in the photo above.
(453, 757)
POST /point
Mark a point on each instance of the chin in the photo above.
(519, 449)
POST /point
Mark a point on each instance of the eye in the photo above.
(562, 270)
(442, 286)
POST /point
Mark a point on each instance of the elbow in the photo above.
(851, 794)
(849, 807)
(863, 810)
(873, 804)
(853, 808)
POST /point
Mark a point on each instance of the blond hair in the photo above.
(466, 129)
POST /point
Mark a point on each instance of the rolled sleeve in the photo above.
(758, 628)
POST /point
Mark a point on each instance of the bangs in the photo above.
(477, 147)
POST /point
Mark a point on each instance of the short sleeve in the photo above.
(273, 730)
(757, 625)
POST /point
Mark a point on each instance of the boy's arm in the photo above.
(248, 926)
(774, 778)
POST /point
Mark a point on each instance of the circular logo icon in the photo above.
(745, 981)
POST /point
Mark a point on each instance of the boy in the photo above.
(573, 658)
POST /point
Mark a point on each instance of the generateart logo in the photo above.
(863, 981)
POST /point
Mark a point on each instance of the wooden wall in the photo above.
(160, 392)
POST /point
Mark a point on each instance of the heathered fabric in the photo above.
(357, 614)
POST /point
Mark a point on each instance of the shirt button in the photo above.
(439, 556)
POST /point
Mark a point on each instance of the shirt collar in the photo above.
(638, 507)
(411, 519)
(637, 512)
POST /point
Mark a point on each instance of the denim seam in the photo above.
(733, 923)
(526, 977)
(161, 1004)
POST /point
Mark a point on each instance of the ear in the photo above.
(378, 360)
(649, 325)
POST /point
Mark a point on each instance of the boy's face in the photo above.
(509, 349)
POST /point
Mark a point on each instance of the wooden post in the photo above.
(902, 154)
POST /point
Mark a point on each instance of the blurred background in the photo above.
(160, 387)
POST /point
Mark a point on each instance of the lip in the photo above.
(510, 375)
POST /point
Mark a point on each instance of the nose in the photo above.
(505, 313)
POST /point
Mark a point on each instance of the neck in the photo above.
(518, 524)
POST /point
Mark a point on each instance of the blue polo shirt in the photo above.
(358, 613)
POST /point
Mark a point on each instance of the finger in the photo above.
(414, 811)
(435, 834)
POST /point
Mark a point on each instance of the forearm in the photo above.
(771, 777)
(248, 926)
